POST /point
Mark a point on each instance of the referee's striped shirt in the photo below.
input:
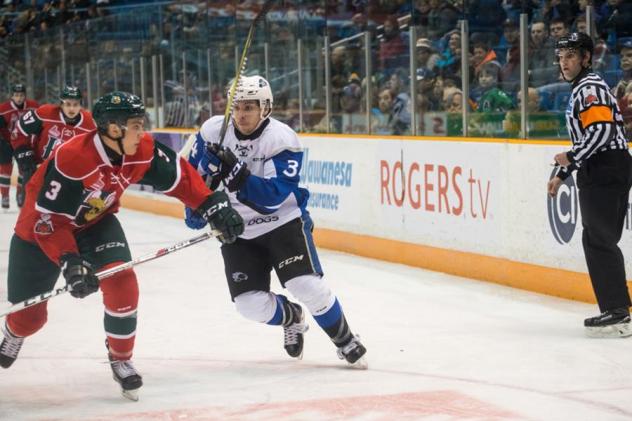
(594, 121)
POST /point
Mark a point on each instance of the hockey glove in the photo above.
(26, 163)
(221, 216)
(79, 275)
(193, 220)
(233, 171)
(210, 164)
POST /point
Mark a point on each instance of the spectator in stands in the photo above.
(543, 68)
(618, 17)
(421, 10)
(353, 121)
(396, 82)
(580, 24)
(4, 26)
(359, 23)
(559, 28)
(443, 16)
(430, 88)
(563, 10)
(453, 100)
(486, 17)
(387, 118)
(492, 98)
(581, 7)
(425, 54)
(392, 50)
(626, 70)
(481, 54)
(450, 60)
(381, 114)
(625, 104)
(533, 100)
(340, 70)
(510, 72)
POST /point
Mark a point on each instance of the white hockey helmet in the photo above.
(255, 88)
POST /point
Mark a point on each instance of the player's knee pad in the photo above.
(256, 305)
(120, 291)
(313, 291)
(28, 321)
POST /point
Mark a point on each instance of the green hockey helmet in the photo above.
(117, 107)
(70, 92)
(18, 88)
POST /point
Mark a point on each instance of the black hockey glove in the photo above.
(26, 163)
(79, 275)
(221, 216)
(233, 171)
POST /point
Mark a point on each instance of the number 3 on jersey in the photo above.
(53, 190)
(292, 168)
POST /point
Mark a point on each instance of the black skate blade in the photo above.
(360, 364)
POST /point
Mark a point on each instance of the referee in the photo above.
(604, 176)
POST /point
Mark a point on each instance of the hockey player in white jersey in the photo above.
(259, 165)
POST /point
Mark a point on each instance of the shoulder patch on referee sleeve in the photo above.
(590, 99)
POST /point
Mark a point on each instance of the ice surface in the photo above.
(439, 348)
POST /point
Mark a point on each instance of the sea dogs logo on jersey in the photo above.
(239, 277)
(44, 226)
(562, 210)
(243, 150)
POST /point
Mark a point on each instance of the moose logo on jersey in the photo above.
(94, 204)
(44, 226)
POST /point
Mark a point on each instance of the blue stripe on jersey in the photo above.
(265, 195)
(277, 319)
(308, 226)
(330, 317)
(197, 151)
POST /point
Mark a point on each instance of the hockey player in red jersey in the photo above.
(40, 131)
(10, 113)
(68, 225)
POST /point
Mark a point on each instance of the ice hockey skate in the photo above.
(609, 324)
(125, 374)
(5, 203)
(9, 348)
(353, 353)
(293, 332)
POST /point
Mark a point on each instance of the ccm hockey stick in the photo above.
(241, 68)
(109, 272)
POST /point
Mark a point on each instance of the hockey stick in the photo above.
(241, 68)
(109, 272)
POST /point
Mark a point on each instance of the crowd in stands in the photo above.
(493, 56)
(493, 59)
(23, 16)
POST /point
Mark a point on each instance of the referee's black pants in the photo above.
(604, 182)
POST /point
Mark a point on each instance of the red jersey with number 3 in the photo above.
(78, 185)
(49, 130)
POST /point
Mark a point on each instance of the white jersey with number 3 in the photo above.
(271, 195)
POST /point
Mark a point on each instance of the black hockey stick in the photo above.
(109, 272)
(241, 68)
